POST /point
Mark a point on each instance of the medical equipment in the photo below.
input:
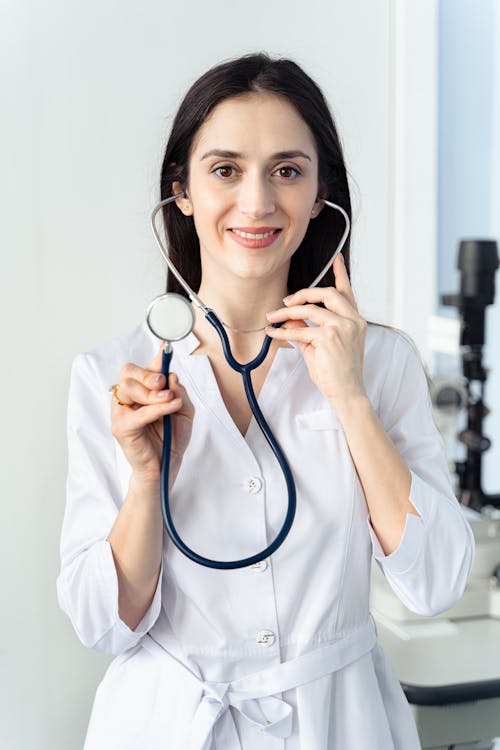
(477, 262)
(170, 317)
(449, 665)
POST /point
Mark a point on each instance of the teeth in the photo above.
(251, 236)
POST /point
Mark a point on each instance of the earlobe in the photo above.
(316, 209)
(186, 205)
(183, 202)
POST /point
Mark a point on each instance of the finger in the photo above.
(156, 362)
(138, 385)
(131, 391)
(315, 314)
(342, 282)
(134, 420)
(146, 377)
(295, 324)
(178, 391)
(332, 298)
(151, 375)
(303, 335)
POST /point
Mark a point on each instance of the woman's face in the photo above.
(253, 186)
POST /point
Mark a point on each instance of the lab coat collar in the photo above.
(188, 345)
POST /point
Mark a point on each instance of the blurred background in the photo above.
(89, 91)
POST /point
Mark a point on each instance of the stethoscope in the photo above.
(171, 318)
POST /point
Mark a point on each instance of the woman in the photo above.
(282, 654)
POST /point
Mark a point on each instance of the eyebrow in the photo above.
(236, 155)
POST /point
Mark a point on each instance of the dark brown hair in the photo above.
(248, 74)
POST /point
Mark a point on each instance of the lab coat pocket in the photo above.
(325, 451)
(323, 419)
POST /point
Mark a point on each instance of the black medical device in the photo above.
(477, 263)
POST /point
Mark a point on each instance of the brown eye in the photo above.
(288, 172)
(225, 171)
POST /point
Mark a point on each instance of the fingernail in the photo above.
(271, 314)
(164, 394)
(286, 299)
(342, 258)
(158, 378)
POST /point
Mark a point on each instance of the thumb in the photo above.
(155, 364)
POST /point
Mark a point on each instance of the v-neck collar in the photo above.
(199, 369)
(190, 343)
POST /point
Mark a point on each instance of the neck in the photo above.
(243, 305)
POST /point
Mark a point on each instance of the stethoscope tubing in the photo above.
(245, 370)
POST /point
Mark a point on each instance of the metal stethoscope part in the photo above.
(170, 317)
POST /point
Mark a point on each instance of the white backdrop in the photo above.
(88, 93)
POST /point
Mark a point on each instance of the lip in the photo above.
(262, 242)
(255, 230)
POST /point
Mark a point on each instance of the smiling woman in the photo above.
(239, 174)
(293, 91)
(282, 653)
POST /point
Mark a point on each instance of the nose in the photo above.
(256, 196)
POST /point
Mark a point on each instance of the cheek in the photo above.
(204, 217)
(208, 210)
(302, 221)
(300, 207)
(302, 216)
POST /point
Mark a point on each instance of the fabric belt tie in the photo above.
(254, 695)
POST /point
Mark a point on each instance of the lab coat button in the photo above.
(262, 565)
(253, 485)
(265, 637)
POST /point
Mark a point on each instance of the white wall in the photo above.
(413, 165)
(88, 92)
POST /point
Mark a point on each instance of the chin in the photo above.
(253, 273)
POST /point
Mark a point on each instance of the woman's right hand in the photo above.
(139, 429)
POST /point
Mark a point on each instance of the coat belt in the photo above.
(255, 695)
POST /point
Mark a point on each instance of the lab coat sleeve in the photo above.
(87, 586)
(429, 569)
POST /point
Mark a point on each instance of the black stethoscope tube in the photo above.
(245, 371)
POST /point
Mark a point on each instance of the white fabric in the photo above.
(197, 673)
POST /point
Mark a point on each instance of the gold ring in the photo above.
(114, 390)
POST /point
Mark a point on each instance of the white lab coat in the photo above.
(282, 654)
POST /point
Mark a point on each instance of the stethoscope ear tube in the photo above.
(165, 466)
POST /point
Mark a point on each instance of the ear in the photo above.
(183, 202)
(319, 205)
(317, 208)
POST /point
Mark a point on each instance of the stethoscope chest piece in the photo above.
(170, 317)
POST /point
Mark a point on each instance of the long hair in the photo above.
(257, 73)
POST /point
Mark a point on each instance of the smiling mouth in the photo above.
(255, 235)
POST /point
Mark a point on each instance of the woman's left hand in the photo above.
(333, 348)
